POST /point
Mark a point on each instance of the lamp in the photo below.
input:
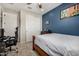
(47, 22)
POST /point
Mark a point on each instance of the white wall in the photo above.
(22, 27)
(0, 16)
(0, 19)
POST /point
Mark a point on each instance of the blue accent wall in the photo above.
(66, 26)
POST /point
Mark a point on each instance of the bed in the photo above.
(55, 44)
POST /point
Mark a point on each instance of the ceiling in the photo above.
(33, 7)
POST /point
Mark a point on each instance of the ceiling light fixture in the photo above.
(40, 6)
(28, 3)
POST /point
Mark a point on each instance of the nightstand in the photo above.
(44, 32)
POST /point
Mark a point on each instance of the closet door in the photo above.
(33, 26)
(9, 23)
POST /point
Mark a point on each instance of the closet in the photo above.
(33, 25)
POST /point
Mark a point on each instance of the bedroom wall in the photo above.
(66, 26)
(22, 27)
(0, 16)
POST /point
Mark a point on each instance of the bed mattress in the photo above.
(58, 44)
(42, 44)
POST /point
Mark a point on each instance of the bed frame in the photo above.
(36, 48)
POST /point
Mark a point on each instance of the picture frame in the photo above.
(70, 12)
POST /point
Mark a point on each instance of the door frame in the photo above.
(18, 21)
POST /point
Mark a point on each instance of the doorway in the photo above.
(9, 23)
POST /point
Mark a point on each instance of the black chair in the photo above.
(2, 47)
(10, 41)
(7, 41)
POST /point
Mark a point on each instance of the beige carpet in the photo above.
(23, 49)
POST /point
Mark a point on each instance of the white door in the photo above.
(9, 23)
(33, 26)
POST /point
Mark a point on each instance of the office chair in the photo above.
(7, 41)
(11, 41)
(2, 48)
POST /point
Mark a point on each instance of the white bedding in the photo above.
(58, 44)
